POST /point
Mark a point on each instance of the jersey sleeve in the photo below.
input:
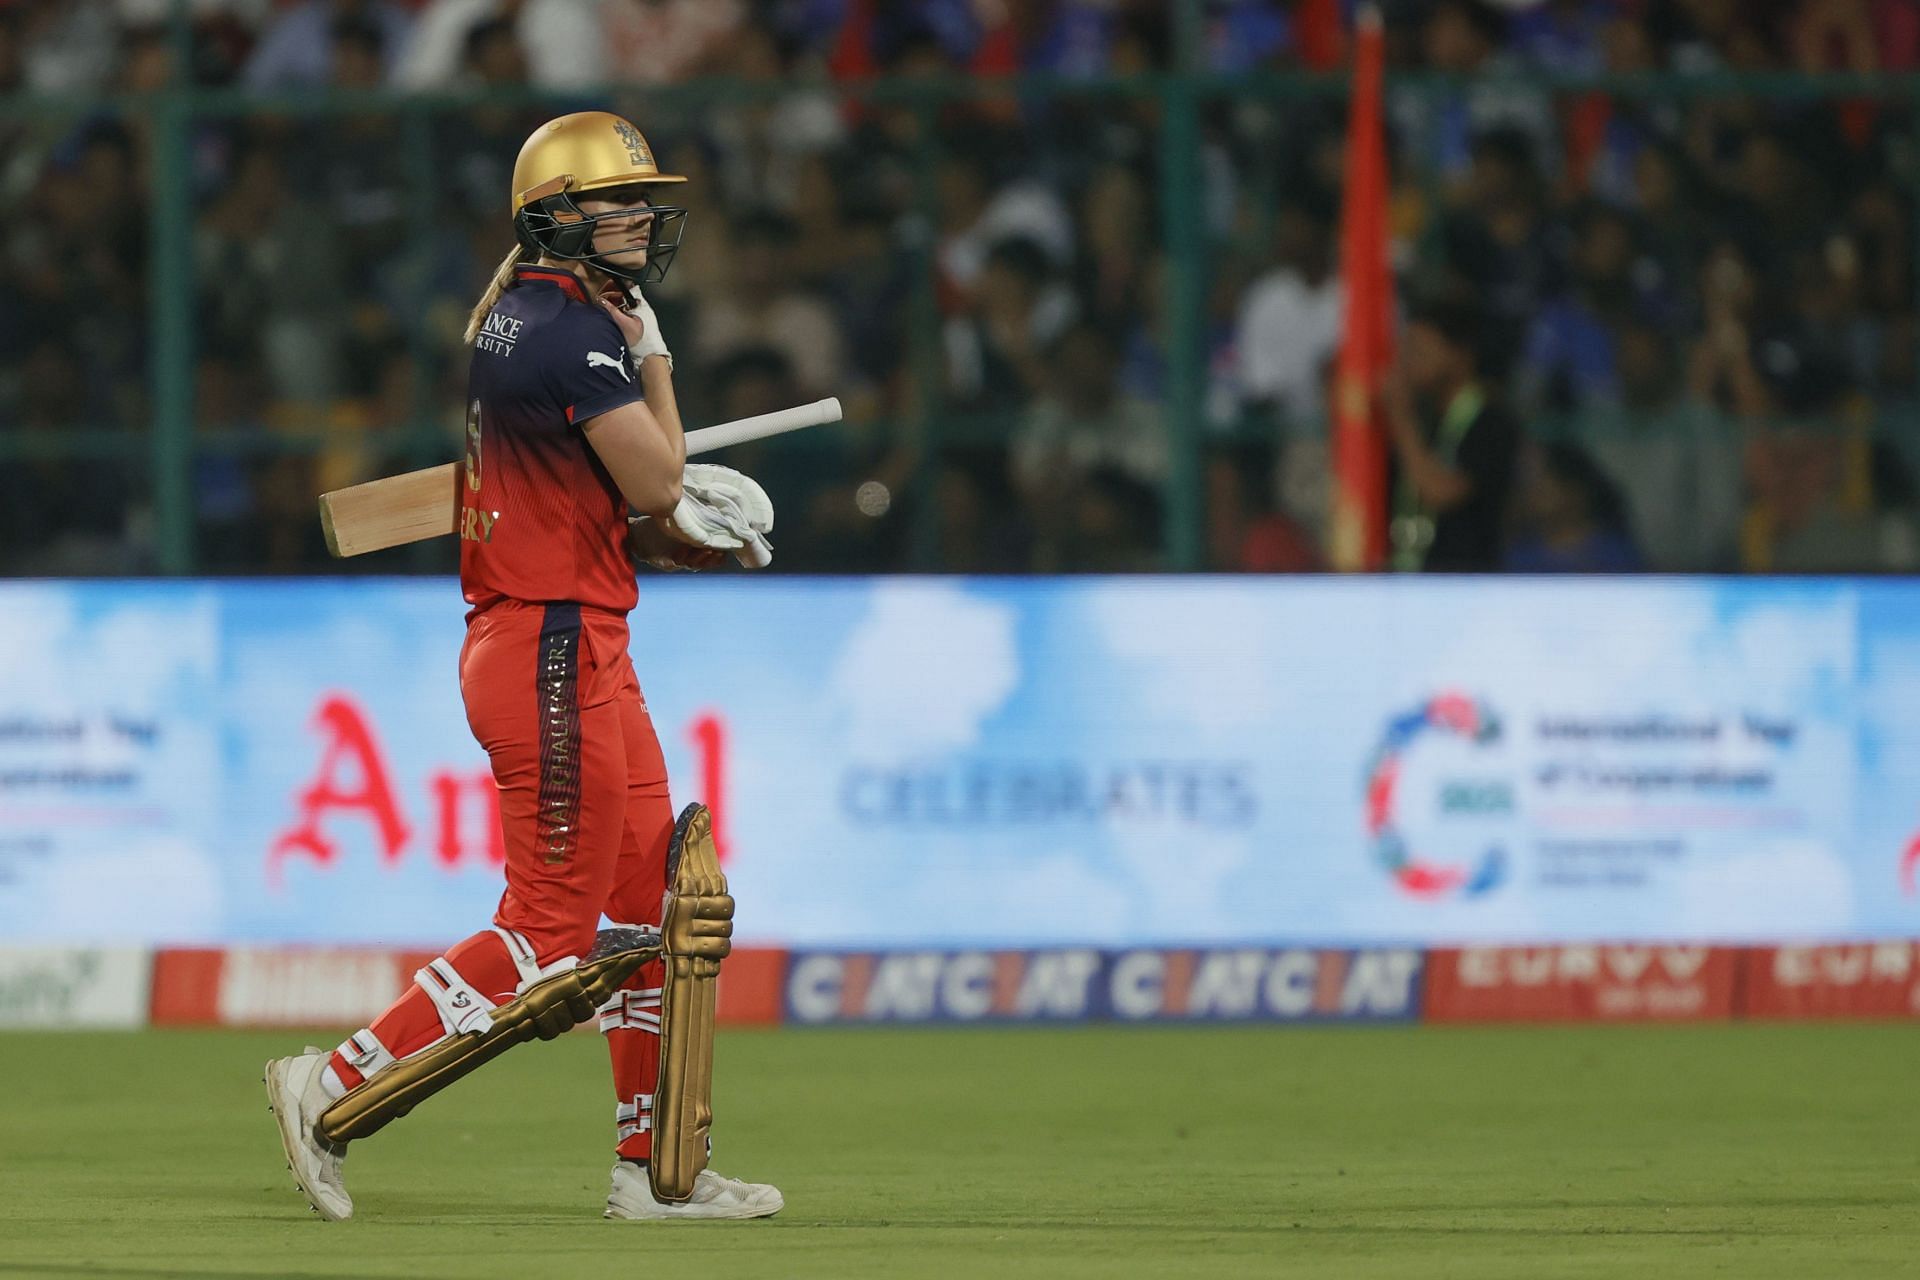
(588, 367)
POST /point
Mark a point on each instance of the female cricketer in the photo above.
(571, 420)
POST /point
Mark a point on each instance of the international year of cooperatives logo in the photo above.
(1446, 715)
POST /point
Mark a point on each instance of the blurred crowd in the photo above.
(1695, 302)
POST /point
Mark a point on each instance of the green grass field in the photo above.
(1741, 1151)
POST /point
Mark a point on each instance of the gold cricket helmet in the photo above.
(580, 153)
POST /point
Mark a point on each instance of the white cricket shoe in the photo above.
(296, 1097)
(713, 1197)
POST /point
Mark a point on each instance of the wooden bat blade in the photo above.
(425, 504)
(391, 511)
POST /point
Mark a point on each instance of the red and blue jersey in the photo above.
(540, 517)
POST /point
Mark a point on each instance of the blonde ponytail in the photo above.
(497, 286)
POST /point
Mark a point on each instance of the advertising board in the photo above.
(972, 765)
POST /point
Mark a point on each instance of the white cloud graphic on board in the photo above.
(1795, 889)
(924, 670)
(154, 888)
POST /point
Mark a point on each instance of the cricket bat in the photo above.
(426, 504)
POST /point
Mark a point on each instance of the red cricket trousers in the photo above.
(550, 693)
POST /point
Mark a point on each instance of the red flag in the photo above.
(1318, 33)
(851, 57)
(1359, 534)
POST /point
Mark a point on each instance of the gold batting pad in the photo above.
(696, 933)
(548, 1008)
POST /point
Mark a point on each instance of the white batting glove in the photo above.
(650, 342)
(719, 485)
(742, 505)
(698, 524)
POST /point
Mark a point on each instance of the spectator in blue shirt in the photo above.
(1572, 360)
(1572, 516)
(297, 48)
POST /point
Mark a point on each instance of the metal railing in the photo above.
(171, 442)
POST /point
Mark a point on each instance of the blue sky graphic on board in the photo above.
(949, 762)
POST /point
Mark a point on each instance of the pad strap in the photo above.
(634, 1118)
(461, 1006)
(632, 1011)
(364, 1052)
(521, 952)
(527, 962)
